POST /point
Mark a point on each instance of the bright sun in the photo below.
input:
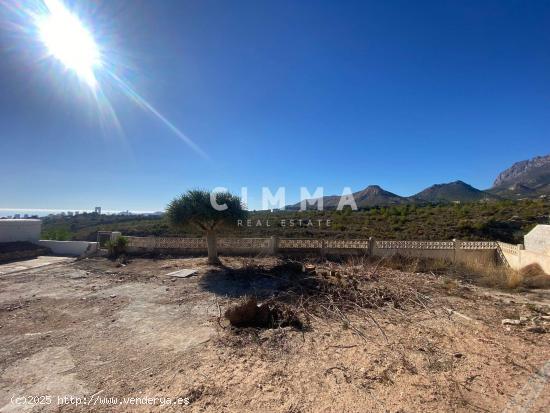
(69, 41)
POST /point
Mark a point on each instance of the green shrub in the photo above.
(56, 234)
(117, 247)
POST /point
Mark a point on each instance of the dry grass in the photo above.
(487, 274)
(490, 275)
(534, 277)
(414, 264)
(482, 272)
(513, 279)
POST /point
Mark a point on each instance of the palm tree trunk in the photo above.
(212, 247)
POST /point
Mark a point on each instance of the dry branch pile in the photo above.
(326, 290)
(343, 288)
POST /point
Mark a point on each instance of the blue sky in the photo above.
(278, 93)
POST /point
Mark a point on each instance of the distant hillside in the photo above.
(372, 195)
(518, 191)
(501, 220)
(457, 191)
(524, 179)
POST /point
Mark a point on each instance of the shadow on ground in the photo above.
(252, 280)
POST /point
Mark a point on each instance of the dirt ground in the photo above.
(105, 332)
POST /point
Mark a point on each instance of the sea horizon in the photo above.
(44, 212)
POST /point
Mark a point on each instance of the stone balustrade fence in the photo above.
(455, 250)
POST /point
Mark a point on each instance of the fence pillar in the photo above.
(372, 244)
(115, 235)
(323, 250)
(274, 245)
(521, 247)
(456, 248)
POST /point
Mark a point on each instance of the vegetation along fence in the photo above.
(454, 250)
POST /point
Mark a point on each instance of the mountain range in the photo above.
(524, 179)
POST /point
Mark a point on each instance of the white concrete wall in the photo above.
(413, 252)
(538, 239)
(530, 257)
(511, 253)
(13, 230)
(518, 257)
(71, 248)
(514, 260)
(485, 256)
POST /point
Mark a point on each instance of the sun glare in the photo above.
(69, 41)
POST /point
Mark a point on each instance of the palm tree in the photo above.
(195, 207)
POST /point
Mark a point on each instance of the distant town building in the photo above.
(17, 216)
(70, 213)
(97, 210)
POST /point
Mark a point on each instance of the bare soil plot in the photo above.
(94, 327)
(42, 261)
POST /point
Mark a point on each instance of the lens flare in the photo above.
(132, 94)
(69, 41)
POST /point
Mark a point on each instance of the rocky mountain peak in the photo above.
(520, 169)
